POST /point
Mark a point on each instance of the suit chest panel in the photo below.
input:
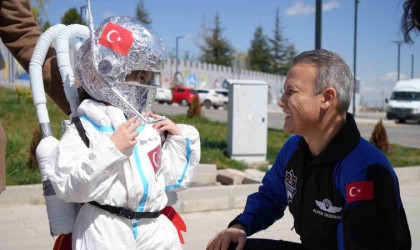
(313, 198)
(149, 148)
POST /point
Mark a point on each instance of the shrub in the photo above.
(17, 171)
(23, 92)
(194, 109)
(379, 137)
(36, 138)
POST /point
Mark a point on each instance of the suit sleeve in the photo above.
(19, 33)
(379, 223)
(81, 174)
(267, 205)
(180, 156)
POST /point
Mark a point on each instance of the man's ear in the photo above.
(329, 96)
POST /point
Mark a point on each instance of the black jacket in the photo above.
(347, 197)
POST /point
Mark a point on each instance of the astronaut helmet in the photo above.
(120, 65)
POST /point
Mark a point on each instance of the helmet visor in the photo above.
(138, 92)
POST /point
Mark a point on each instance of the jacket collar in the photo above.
(101, 114)
(341, 145)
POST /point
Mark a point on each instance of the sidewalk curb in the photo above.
(408, 174)
(194, 199)
(22, 194)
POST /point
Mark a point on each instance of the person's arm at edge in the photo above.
(261, 209)
(20, 32)
(259, 214)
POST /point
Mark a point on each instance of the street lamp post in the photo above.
(318, 23)
(412, 66)
(398, 67)
(82, 9)
(356, 2)
(176, 52)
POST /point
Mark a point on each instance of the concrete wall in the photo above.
(10, 69)
(203, 75)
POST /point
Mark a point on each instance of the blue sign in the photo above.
(192, 80)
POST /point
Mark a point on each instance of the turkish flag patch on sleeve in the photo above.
(117, 38)
(359, 191)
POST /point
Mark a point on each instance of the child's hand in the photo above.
(167, 125)
(125, 135)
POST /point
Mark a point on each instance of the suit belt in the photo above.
(126, 213)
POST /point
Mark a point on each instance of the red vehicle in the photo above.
(183, 95)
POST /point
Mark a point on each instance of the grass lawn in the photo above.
(17, 114)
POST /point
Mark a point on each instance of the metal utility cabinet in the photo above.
(247, 120)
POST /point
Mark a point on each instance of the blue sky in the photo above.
(379, 23)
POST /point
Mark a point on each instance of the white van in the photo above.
(404, 103)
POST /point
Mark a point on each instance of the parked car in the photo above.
(163, 95)
(404, 103)
(225, 94)
(183, 95)
(209, 98)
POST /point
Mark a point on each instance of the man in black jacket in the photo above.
(341, 190)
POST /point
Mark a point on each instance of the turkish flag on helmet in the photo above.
(117, 38)
(360, 190)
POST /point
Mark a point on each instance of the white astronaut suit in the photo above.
(138, 179)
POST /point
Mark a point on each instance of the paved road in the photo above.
(403, 134)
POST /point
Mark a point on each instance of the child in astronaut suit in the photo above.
(124, 175)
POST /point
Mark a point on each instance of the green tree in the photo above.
(46, 26)
(39, 12)
(281, 50)
(40, 5)
(38, 9)
(290, 53)
(259, 57)
(72, 16)
(141, 13)
(187, 56)
(216, 48)
(36, 14)
(277, 48)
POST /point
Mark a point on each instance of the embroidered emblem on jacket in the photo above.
(327, 209)
(290, 183)
(359, 191)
